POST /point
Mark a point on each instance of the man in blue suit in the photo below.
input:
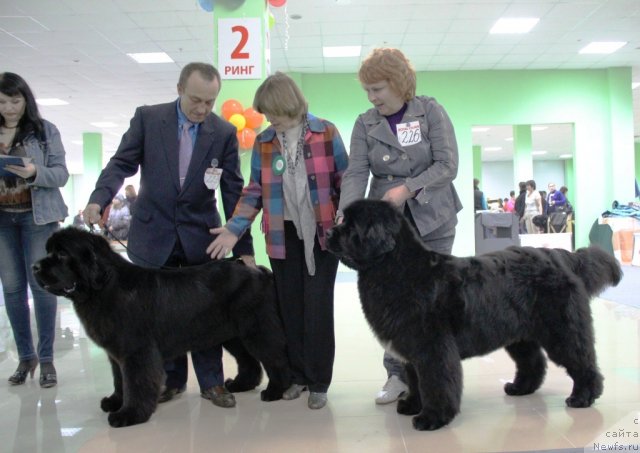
(176, 205)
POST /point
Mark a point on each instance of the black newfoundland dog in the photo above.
(432, 310)
(143, 317)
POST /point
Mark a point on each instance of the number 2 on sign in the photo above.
(244, 37)
(409, 133)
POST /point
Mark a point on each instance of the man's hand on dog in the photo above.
(91, 214)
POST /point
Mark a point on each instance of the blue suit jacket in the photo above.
(165, 211)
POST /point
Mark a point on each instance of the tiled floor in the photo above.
(67, 418)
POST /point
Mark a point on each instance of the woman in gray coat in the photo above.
(407, 144)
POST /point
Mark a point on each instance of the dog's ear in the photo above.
(101, 252)
(379, 237)
(89, 249)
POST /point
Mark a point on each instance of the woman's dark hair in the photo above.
(13, 85)
(531, 183)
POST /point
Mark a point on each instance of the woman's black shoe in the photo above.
(25, 367)
(48, 377)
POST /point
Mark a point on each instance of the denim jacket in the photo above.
(51, 174)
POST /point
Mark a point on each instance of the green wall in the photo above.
(597, 102)
(637, 147)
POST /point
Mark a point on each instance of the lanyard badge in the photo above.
(212, 175)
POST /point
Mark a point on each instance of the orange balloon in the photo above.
(253, 117)
(246, 138)
(231, 107)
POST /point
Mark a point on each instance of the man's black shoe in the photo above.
(169, 393)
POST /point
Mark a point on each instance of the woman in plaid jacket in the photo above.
(296, 172)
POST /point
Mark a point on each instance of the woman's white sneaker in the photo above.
(393, 389)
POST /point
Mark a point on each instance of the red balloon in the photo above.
(277, 3)
(246, 138)
(231, 107)
(253, 117)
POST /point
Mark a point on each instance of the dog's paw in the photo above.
(271, 394)
(409, 406)
(512, 389)
(430, 422)
(111, 403)
(578, 402)
(127, 417)
(239, 385)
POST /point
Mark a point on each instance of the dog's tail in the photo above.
(596, 268)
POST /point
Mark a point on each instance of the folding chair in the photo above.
(557, 222)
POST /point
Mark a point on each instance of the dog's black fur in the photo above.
(432, 310)
(143, 317)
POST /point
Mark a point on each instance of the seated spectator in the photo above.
(119, 219)
(555, 200)
(78, 221)
(510, 203)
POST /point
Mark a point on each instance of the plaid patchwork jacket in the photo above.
(325, 160)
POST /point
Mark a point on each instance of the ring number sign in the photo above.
(240, 48)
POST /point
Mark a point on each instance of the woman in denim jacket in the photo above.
(31, 207)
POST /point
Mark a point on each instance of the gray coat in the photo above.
(427, 168)
(51, 173)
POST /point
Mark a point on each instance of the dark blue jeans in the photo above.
(22, 242)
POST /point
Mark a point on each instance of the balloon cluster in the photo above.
(277, 3)
(245, 121)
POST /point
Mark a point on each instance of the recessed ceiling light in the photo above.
(51, 101)
(514, 25)
(77, 142)
(539, 128)
(602, 47)
(508, 139)
(635, 85)
(104, 124)
(538, 153)
(492, 148)
(341, 51)
(565, 156)
(479, 129)
(151, 57)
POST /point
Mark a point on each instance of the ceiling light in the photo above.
(104, 124)
(51, 101)
(77, 142)
(514, 25)
(341, 51)
(602, 47)
(151, 57)
(565, 156)
(635, 85)
(538, 153)
(539, 128)
(508, 139)
(479, 129)
(492, 148)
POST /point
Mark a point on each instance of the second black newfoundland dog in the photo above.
(432, 310)
(142, 317)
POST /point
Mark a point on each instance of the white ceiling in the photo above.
(76, 49)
